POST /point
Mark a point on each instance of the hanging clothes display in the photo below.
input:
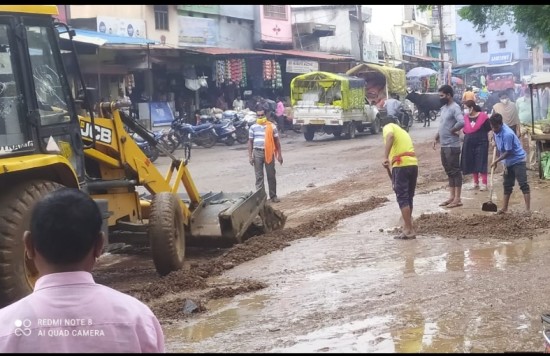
(272, 74)
(230, 71)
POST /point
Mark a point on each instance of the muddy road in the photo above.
(334, 280)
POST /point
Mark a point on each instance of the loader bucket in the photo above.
(223, 218)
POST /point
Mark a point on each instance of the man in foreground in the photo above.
(399, 153)
(452, 121)
(68, 311)
(512, 154)
(264, 147)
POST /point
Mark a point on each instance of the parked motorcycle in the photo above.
(202, 135)
(405, 120)
(225, 132)
(241, 126)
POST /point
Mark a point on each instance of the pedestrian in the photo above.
(280, 115)
(68, 311)
(264, 147)
(394, 108)
(468, 95)
(512, 154)
(221, 103)
(399, 153)
(475, 149)
(238, 104)
(508, 111)
(452, 121)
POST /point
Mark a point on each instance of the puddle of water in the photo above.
(473, 260)
(223, 315)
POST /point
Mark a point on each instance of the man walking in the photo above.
(280, 115)
(399, 153)
(263, 148)
(512, 154)
(68, 311)
(452, 121)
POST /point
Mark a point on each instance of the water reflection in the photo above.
(471, 260)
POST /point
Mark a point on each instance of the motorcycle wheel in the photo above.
(229, 141)
(208, 141)
(242, 136)
(168, 143)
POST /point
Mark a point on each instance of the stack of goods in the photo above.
(231, 70)
(272, 74)
(220, 72)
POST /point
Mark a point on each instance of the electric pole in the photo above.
(441, 43)
(361, 31)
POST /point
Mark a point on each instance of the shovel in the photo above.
(490, 206)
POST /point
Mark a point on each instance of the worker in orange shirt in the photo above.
(468, 95)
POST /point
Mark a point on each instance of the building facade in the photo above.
(493, 50)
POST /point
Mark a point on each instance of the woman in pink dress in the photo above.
(475, 149)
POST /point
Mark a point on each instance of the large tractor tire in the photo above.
(166, 233)
(17, 273)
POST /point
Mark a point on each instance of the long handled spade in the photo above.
(490, 206)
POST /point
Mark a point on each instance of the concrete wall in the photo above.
(235, 35)
(341, 42)
(144, 12)
(245, 12)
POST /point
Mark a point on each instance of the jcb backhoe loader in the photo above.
(45, 144)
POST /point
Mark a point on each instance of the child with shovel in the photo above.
(512, 154)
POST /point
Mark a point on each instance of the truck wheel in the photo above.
(309, 133)
(17, 273)
(360, 128)
(166, 233)
(337, 132)
(350, 130)
(375, 126)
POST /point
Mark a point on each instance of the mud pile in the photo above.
(501, 227)
(195, 277)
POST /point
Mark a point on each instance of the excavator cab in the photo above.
(46, 144)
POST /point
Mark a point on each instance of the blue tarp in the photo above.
(101, 39)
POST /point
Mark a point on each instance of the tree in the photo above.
(532, 21)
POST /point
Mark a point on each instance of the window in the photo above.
(275, 12)
(483, 47)
(161, 17)
(502, 44)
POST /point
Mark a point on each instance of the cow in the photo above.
(425, 103)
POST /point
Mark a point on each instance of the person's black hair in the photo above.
(496, 119)
(446, 89)
(502, 93)
(472, 104)
(65, 226)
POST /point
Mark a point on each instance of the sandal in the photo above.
(403, 236)
(445, 203)
(454, 205)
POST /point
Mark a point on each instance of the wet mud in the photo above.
(483, 227)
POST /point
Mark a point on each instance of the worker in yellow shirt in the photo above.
(399, 155)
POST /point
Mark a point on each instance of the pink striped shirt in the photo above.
(69, 312)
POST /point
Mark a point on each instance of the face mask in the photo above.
(443, 101)
(504, 101)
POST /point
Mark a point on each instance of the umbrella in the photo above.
(420, 72)
(457, 81)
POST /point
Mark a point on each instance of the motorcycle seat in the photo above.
(201, 127)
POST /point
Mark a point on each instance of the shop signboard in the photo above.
(407, 44)
(121, 26)
(370, 53)
(301, 66)
(196, 31)
(203, 9)
(500, 58)
(161, 114)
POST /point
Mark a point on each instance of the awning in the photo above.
(217, 51)
(423, 58)
(101, 39)
(308, 54)
(493, 65)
